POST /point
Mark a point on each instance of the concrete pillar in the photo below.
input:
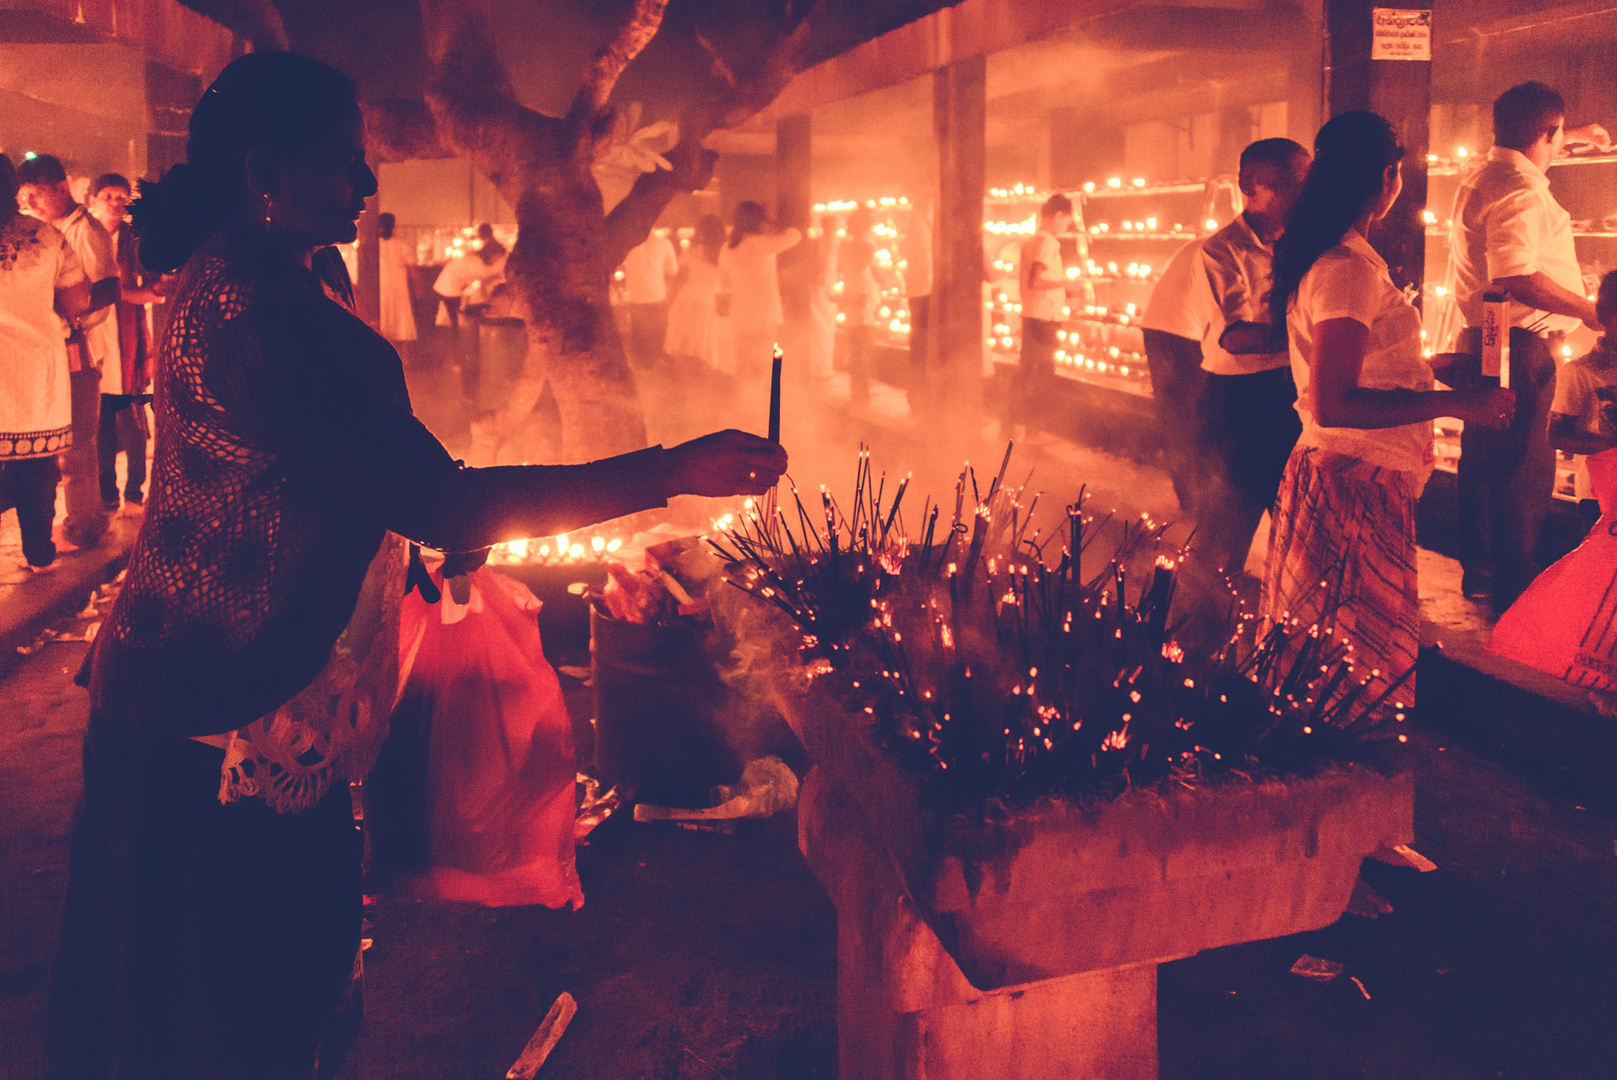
(1401, 91)
(959, 116)
(794, 206)
(368, 289)
(794, 202)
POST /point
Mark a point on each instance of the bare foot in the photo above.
(132, 510)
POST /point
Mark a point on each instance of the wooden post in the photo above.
(794, 206)
(959, 118)
(1401, 91)
(368, 289)
(793, 167)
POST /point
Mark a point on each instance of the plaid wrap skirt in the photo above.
(1342, 555)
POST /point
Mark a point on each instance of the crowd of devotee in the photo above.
(290, 477)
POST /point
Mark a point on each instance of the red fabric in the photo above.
(1566, 621)
(500, 773)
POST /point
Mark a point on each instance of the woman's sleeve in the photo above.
(1574, 396)
(328, 397)
(69, 271)
(783, 240)
(1342, 289)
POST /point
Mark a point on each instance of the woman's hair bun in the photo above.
(172, 217)
(276, 102)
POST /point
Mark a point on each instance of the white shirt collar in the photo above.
(1520, 160)
(1355, 241)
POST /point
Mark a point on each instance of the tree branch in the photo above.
(784, 60)
(750, 94)
(256, 20)
(609, 61)
(398, 129)
(471, 96)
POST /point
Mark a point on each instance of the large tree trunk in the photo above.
(567, 246)
(561, 275)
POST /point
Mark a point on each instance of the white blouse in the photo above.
(749, 276)
(35, 402)
(1350, 281)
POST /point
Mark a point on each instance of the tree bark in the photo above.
(567, 245)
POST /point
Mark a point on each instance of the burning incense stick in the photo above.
(774, 397)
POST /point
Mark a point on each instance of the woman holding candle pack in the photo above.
(245, 674)
(1342, 550)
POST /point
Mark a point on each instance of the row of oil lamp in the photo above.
(563, 549)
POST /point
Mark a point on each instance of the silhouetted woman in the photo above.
(245, 674)
(1342, 550)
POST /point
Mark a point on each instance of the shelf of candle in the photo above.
(565, 549)
(1446, 447)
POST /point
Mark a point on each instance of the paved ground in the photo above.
(701, 956)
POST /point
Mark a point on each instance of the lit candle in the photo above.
(774, 397)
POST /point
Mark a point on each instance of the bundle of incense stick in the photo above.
(998, 661)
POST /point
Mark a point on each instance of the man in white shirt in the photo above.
(125, 387)
(647, 270)
(1175, 322)
(43, 193)
(915, 251)
(1250, 398)
(1043, 287)
(1510, 235)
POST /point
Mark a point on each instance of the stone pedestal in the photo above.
(1027, 946)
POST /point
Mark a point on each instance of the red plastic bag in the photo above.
(498, 776)
(1566, 622)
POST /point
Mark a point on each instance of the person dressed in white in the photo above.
(694, 327)
(393, 280)
(1042, 283)
(123, 410)
(1248, 404)
(857, 298)
(39, 273)
(1342, 549)
(94, 360)
(1175, 321)
(477, 269)
(463, 282)
(1510, 235)
(647, 270)
(747, 268)
(822, 304)
(915, 250)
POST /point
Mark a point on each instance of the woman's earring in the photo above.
(269, 208)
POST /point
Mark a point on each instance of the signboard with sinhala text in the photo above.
(1399, 34)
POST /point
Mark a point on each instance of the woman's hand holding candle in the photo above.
(724, 463)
